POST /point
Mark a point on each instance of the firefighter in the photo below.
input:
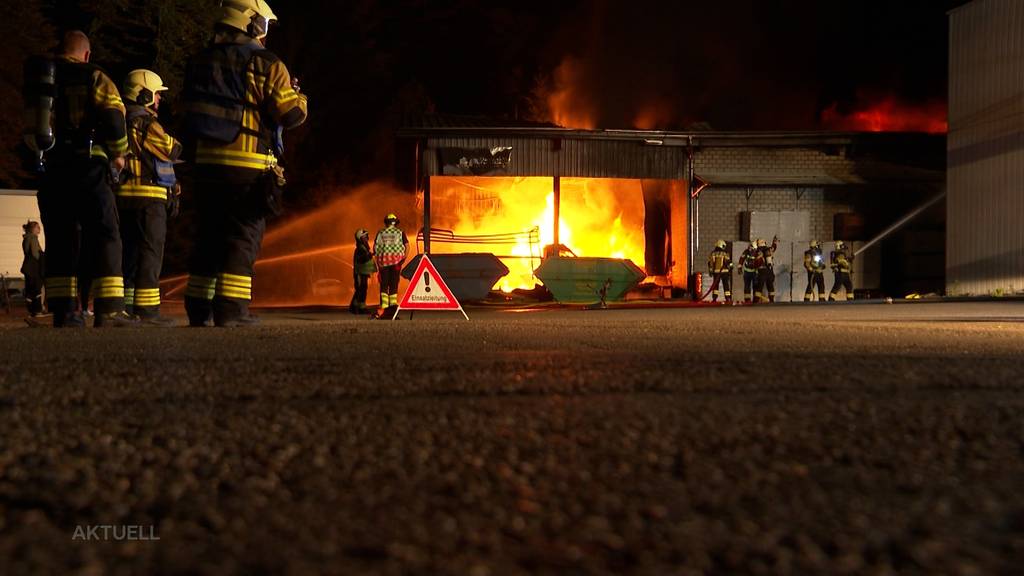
(362, 268)
(389, 248)
(814, 264)
(238, 99)
(748, 265)
(842, 265)
(148, 188)
(76, 200)
(764, 288)
(720, 267)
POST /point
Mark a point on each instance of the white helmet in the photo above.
(250, 16)
(141, 87)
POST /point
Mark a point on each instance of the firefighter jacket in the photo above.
(238, 99)
(841, 261)
(149, 172)
(363, 259)
(89, 114)
(814, 261)
(748, 259)
(719, 261)
(390, 246)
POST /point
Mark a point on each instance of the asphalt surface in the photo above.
(822, 439)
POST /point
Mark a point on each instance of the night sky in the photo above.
(372, 66)
(369, 66)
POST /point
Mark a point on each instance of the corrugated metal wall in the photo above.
(985, 206)
(577, 158)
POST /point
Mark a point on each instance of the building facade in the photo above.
(985, 240)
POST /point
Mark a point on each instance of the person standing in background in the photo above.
(32, 267)
(390, 248)
(363, 267)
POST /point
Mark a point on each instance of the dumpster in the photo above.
(470, 276)
(587, 280)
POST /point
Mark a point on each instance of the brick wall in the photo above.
(738, 165)
(721, 205)
(720, 210)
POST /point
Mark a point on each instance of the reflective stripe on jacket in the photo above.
(238, 97)
(719, 261)
(89, 114)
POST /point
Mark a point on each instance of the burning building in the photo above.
(525, 192)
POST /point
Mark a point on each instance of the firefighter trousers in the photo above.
(843, 280)
(749, 281)
(80, 218)
(723, 280)
(815, 286)
(143, 232)
(358, 304)
(389, 277)
(232, 221)
(764, 288)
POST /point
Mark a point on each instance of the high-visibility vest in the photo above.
(390, 246)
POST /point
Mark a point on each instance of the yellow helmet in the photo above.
(720, 244)
(250, 16)
(814, 243)
(391, 218)
(839, 244)
(141, 86)
(761, 242)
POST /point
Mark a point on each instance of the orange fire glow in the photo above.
(598, 217)
(567, 106)
(654, 116)
(888, 115)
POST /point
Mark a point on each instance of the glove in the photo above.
(174, 202)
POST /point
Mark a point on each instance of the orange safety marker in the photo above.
(427, 291)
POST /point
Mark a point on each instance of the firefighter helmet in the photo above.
(362, 233)
(839, 245)
(141, 87)
(391, 218)
(761, 242)
(720, 244)
(814, 243)
(250, 16)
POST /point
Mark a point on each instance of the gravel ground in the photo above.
(824, 439)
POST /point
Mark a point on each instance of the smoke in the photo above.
(736, 65)
(886, 113)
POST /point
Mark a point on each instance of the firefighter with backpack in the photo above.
(720, 267)
(147, 192)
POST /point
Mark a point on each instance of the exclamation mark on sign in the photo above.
(426, 280)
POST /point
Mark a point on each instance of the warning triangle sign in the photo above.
(427, 291)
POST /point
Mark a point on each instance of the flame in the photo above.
(598, 217)
(567, 105)
(888, 114)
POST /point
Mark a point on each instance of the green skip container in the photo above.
(582, 280)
